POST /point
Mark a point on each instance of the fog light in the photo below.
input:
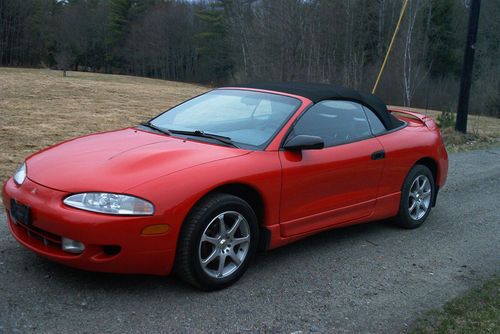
(72, 246)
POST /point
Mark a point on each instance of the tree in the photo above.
(122, 14)
(161, 44)
(443, 56)
(231, 41)
(212, 47)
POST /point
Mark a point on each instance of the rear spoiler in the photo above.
(424, 119)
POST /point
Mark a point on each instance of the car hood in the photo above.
(118, 160)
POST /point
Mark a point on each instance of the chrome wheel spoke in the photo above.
(421, 210)
(210, 258)
(222, 225)
(222, 262)
(235, 226)
(239, 241)
(211, 240)
(424, 184)
(426, 194)
(412, 207)
(234, 258)
(417, 211)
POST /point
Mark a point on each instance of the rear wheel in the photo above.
(416, 197)
(217, 241)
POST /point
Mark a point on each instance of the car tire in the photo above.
(221, 228)
(417, 196)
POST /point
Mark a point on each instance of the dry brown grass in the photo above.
(39, 108)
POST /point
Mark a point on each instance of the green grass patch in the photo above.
(477, 311)
(446, 119)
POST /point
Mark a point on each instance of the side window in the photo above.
(375, 122)
(337, 122)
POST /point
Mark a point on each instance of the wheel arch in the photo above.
(431, 164)
(254, 198)
(434, 168)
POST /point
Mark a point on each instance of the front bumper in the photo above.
(112, 243)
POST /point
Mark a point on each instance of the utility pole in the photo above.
(466, 79)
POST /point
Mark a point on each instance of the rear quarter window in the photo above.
(376, 124)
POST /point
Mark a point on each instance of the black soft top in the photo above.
(317, 92)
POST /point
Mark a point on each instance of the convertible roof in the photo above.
(317, 92)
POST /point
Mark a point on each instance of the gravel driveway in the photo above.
(367, 278)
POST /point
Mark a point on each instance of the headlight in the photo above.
(114, 204)
(20, 175)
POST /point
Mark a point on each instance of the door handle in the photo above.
(378, 155)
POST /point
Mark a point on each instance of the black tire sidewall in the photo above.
(223, 203)
(404, 219)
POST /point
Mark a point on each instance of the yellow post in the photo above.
(390, 47)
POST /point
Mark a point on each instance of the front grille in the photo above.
(47, 238)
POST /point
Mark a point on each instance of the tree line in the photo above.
(232, 41)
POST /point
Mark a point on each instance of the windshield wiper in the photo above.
(201, 133)
(154, 127)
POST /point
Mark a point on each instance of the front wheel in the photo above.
(417, 195)
(217, 241)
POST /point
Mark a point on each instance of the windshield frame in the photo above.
(240, 145)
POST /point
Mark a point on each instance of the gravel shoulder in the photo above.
(367, 278)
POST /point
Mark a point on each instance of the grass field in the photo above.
(477, 311)
(40, 107)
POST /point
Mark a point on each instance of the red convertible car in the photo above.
(200, 188)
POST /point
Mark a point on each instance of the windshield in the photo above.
(249, 119)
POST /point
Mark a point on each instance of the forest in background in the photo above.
(232, 41)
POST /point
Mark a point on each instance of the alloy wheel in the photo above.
(419, 198)
(224, 244)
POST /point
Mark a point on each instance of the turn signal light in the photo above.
(156, 229)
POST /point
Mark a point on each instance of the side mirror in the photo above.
(304, 142)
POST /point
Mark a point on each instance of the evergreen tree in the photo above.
(118, 27)
(122, 14)
(213, 45)
(444, 51)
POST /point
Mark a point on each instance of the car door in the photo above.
(338, 183)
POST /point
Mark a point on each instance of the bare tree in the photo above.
(415, 68)
(225, 41)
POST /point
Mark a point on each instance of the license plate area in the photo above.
(20, 212)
